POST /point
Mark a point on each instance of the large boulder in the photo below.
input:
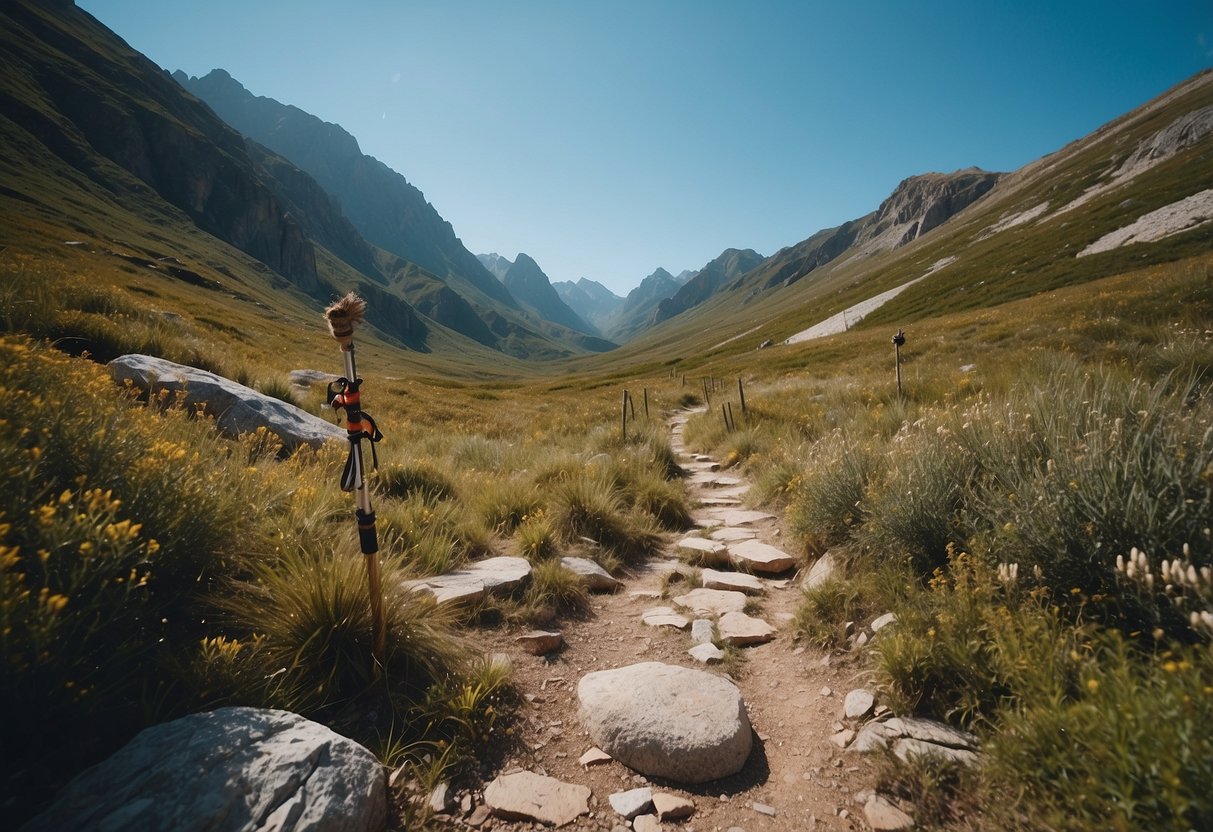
(237, 409)
(227, 770)
(667, 721)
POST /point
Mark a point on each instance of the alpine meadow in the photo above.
(906, 525)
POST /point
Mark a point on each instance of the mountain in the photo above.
(684, 276)
(382, 205)
(527, 282)
(729, 265)
(593, 302)
(1136, 192)
(495, 263)
(918, 205)
(435, 273)
(637, 307)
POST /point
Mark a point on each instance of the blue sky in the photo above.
(608, 138)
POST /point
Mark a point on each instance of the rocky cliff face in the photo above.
(495, 263)
(387, 210)
(917, 205)
(921, 203)
(126, 110)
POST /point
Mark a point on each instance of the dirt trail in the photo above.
(794, 769)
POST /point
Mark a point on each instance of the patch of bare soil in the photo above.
(793, 695)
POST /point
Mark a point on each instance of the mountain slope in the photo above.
(385, 208)
(527, 282)
(730, 265)
(634, 315)
(593, 302)
(1124, 197)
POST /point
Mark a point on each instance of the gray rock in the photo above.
(883, 621)
(667, 721)
(764, 809)
(761, 557)
(858, 704)
(928, 730)
(740, 517)
(237, 409)
(632, 802)
(229, 769)
(711, 601)
(823, 570)
(702, 631)
(732, 581)
(599, 460)
(707, 653)
(843, 738)
(596, 578)
(741, 630)
(500, 574)
(525, 795)
(594, 757)
(646, 823)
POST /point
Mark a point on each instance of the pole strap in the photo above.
(359, 425)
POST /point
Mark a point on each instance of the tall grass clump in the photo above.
(826, 497)
(403, 480)
(588, 507)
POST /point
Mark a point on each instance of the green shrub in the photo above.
(824, 611)
(587, 507)
(554, 590)
(536, 538)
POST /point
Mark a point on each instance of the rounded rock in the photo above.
(667, 721)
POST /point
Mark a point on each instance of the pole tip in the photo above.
(343, 315)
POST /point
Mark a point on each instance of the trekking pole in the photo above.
(346, 393)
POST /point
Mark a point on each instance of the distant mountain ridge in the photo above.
(731, 264)
(635, 313)
(528, 283)
(593, 302)
(496, 264)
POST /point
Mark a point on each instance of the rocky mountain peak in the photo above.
(920, 203)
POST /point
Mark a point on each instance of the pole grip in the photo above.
(367, 537)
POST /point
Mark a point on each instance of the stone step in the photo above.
(711, 601)
(665, 617)
(473, 582)
(709, 551)
(760, 557)
(732, 581)
(741, 630)
(731, 534)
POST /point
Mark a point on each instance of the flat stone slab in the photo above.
(711, 601)
(908, 748)
(667, 721)
(732, 581)
(739, 516)
(914, 737)
(741, 630)
(709, 551)
(596, 578)
(761, 557)
(883, 816)
(706, 518)
(525, 795)
(226, 770)
(665, 617)
(714, 502)
(706, 653)
(731, 534)
(500, 574)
